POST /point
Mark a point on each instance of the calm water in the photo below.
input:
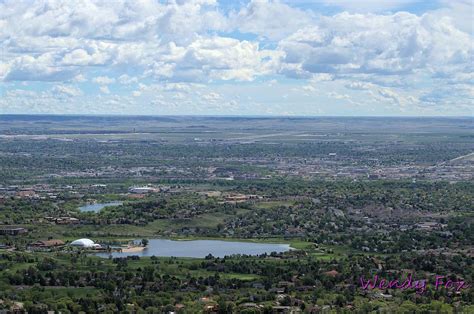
(97, 206)
(201, 248)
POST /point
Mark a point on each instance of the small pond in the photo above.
(96, 207)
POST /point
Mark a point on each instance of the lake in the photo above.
(202, 248)
(96, 207)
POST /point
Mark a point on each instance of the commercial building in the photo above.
(85, 243)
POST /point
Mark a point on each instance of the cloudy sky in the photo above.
(208, 57)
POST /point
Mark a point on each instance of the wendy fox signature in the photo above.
(420, 285)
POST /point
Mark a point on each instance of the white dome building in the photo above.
(85, 243)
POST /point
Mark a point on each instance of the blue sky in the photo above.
(206, 57)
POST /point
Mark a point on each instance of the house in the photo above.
(67, 221)
(211, 308)
(12, 231)
(332, 273)
(27, 194)
(63, 220)
(236, 198)
(285, 284)
(249, 305)
(47, 243)
(285, 309)
(429, 225)
(179, 307)
(142, 189)
(277, 290)
(136, 196)
(211, 193)
(258, 285)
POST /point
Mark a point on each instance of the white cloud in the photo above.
(308, 88)
(127, 80)
(80, 78)
(215, 58)
(120, 20)
(385, 94)
(4, 69)
(104, 89)
(28, 68)
(72, 91)
(212, 97)
(461, 13)
(103, 80)
(98, 54)
(380, 44)
(270, 19)
(369, 5)
(96, 33)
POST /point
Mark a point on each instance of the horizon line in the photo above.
(225, 116)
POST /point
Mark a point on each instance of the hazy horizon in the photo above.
(228, 116)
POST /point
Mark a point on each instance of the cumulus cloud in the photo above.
(150, 47)
(29, 68)
(214, 58)
(369, 5)
(212, 97)
(384, 94)
(401, 43)
(67, 90)
(104, 89)
(460, 12)
(126, 80)
(103, 80)
(271, 19)
(4, 69)
(120, 20)
(49, 40)
(97, 54)
(80, 78)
